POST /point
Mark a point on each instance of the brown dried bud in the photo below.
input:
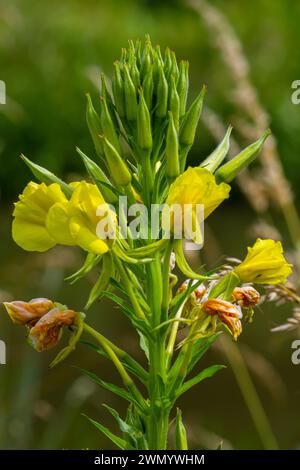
(228, 313)
(28, 313)
(247, 296)
(47, 331)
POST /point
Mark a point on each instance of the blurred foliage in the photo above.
(51, 53)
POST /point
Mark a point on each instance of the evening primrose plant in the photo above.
(142, 132)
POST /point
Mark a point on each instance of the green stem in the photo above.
(127, 380)
(166, 283)
(250, 394)
(127, 284)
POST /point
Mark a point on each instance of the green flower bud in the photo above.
(148, 87)
(144, 134)
(124, 56)
(106, 95)
(130, 96)
(172, 154)
(174, 102)
(229, 171)
(162, 94)
(118, 90)
(94, 125)
(134, 72)
(99, 177)
(167, 63)
(191, 118)
(174, 66)
(215, 159)
(180, 433)
(146, 61)
(138, 47)
(117, 166)
(108, 127)
(183, 85)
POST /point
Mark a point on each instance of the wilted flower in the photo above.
(228, 314)
(247, 296)
(196, 186)
(193, 302)
(46, 333)
(26, 313)
(264, 264)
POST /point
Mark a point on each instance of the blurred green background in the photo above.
(51, 53)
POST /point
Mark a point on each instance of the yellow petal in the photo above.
(31, 237)
(57, 223)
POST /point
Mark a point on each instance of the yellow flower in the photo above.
(44, 217)
(264, 264)
(196, 186)
(31, 217)
(84, 221)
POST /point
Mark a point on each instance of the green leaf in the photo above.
(111, 387)
(127, 310)
(204, 374)
(77, 330)
(115, 439)
(90, 262)
(45, 176)
(183, 264)
(128, 362)
(148, 250)
(103, 280)
(199, 349)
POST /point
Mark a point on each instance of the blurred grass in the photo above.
(51, 53)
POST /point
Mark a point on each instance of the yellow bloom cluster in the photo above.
(264, 263)
(44, 217)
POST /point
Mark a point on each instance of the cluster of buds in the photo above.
(44, 320)
(148, 108)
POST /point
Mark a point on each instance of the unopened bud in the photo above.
(144, 133)
(191, 119)
(172, 154)
(108, 127)
(162, 94)
(148, 87)
(231, 169)
(94, 125)
(212, 162)
(117, 167)
(174, 102)
(183, 85)
(130, 96)
(118, 90)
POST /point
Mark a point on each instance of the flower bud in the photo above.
(172, 154)
(174, 103)
(183, 85)
(180, 433)
(107, 125)
(212, 162)
(144, 133)
(94, 125)
(162, 94)
(26, 313)
(148, 86)
(117, 166)
(191, 118)
(110, 105)
(167, 63)
(232, 168)
(130, 96)
(146, 61)
(134, 72)
(118, 90)
(174, 67)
